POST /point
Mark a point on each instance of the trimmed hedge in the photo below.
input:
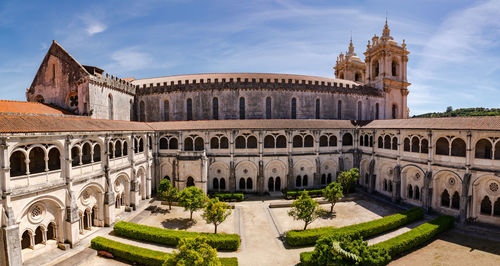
(404, 242)
(294, 194)
(297, 238)
(417, 236)
(229, 196)
(141, 256)
(171, 237)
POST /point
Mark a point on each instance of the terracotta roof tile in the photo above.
(459, 123)
(17, 107)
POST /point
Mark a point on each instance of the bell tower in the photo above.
(386, 64)
(350, 66)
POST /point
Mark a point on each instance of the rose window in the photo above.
(451, 181)
(36, 212)
(494, 187)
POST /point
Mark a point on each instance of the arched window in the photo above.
(380, 142)
(483, 149)
(188, 144)
(215, 184)
(242, 183)
(110, 107)
(270, 184)
(214, 143)
(395, 143)
(367, 142)
(347, 139)
(215, 108)
(442, 146)
(26, 240)
(318, 114)
(39, 235)
(329, 178)
(394, 111)
(371, 141)
(375, 68)
(361, 141)
(458, 147)
(377, 108)
(417, 193)
(294, 108)
(240, 142)
(269, 142)
(166, 110)
(323, 179)
(189, 109)
(224, 143)
(54, 159)
(277, 185)
(445, 199)
(251, 142)
(142, 111)
(242, 108)
(125, 148)
(190, 182)
(486, 206)
(304, 181)
(360, 111)
(385, 184)
(249, 184)
(309, 141)
(455, 201)
(387, 142)
(37, 160)
(163, 144)
(497, 151)
(323, 141)
(199, 145)
(339, 109)
(424, 146)
(136, 146)
(394, 68)
(268, 108)
(332, 142)
(298, 181)
(281, 142)
(496, 210)
(297, 141)
(173, 144)
(97, 152)
(86, 153)
(222, 184)
(17, 164)
(410, 191)
(406, 144)
(118, 149)
(415, 144)
(74, 152)
(141, 145)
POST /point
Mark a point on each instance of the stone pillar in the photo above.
(109, 194)
(341, 165)
(260, 178)
(426, 196)
(317, 174)
(232, 176)
(396, 184)
(204, 172)
(464, 202)
(72, 221)
(290, 178)
(371, 176)
(11, 252)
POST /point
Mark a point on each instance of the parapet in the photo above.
(113, 82)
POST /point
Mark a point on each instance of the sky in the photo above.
(454, 45)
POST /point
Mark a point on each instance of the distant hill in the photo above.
(479, 111)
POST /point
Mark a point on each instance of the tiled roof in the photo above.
(28, 124)
(242, 76)
(459, 123)
(252, 124)
(17, 107)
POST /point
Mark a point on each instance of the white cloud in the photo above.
(128, 59)
(95, 27)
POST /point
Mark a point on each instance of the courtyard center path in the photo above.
(262, 245)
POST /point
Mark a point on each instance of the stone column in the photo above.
(109, 194)
(464, 202)
(426, 195)
(396, 184)
(371, 176)
(290, 178)
(11, 245)
(317, 174)
(232, 176)
(260, 178)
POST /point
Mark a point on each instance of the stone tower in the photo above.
(350, 66)
(386, 63)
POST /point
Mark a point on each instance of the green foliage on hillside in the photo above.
(479, 111)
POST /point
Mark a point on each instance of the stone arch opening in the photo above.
(163, 144)
(190, 182)
(39, 235)
(215, 108)
(26, 240)
(54, 159)
(173, 144)
(214, 143)
(188, 144)
(251, 142)
(387, 142)
(242, 183)
(199, 144)
(332, 142)
(308, 141)
(222, 184)
(297, 141)
(486, 206)
(240, 142)
(483, 149)
(458, 147)
(445, 199)
(86, 153)
(189, 109)
(215, 184)
(269, 142)
(17, 164)
(323, 141)
(249, 183)
(37, 160)
(394, 143)
(347, 139)
(281, 142)
(270, 184)
(118, 149)
(97, 152)
(442, 146)
(51, 231)
(277, 187)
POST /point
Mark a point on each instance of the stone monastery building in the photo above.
(88, 146)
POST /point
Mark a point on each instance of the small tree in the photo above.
(167, 192)
(194, 251)
(348, 178)
(192, 199)
(306, 209)
(216, 212)
(333, 193)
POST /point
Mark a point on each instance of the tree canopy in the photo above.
(306, 209)
(216, 212)
(192, 199)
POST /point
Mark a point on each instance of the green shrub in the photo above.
(309, 237)
(171, 237)
(129, 253)
(229, 196)
(294, 194)
(417, 236)
(141, 256)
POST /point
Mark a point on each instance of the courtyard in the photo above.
(260, 229)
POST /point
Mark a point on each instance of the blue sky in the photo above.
(454, 45)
